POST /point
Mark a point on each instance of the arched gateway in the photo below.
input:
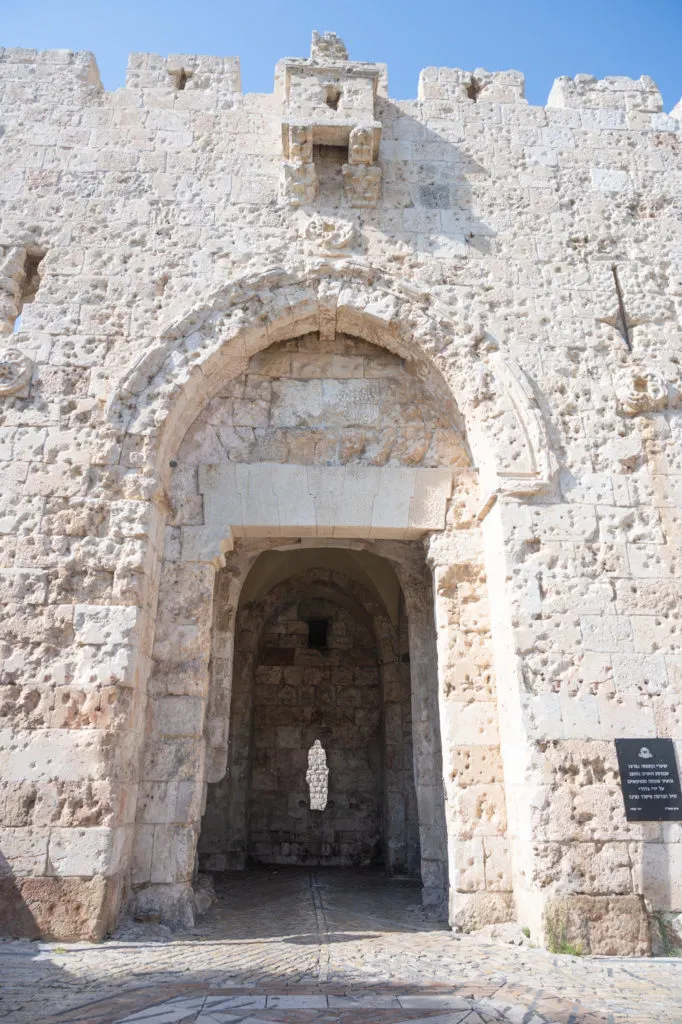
(325, 411)
(295, 578)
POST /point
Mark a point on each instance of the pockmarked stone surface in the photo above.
(407, 368)
(326, 946)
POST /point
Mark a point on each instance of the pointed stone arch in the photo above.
(153, 405)
(162, 392)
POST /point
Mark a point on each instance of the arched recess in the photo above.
(149, 413)
(357, 702)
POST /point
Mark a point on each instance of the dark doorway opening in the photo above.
(321, 655)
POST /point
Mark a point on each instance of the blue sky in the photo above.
(542, 38)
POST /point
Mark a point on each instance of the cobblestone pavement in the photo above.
(326, 947)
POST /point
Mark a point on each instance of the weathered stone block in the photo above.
(601, 925)
(59, 909)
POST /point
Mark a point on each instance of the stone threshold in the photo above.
(196, 1003)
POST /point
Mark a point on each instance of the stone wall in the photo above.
(176, 228)
(331, 403)
(333, 696)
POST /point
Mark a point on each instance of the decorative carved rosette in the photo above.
(331, 236)
(15, 371)
(639, 391)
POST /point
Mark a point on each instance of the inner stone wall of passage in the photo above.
(352, 694)
(303, 694)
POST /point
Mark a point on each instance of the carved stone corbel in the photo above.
(299, 177)
(361, 177)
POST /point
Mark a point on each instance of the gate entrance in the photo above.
(321, 714)
(323, 590)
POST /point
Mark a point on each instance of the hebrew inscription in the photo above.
(649, 779)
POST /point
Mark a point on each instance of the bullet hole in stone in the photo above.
(474, 89)
(172, 463)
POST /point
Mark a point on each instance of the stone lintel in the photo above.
(273, 500)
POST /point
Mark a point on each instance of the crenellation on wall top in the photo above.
(209, 82)
(80, 63)
(615, 91)
(182, 71)
(638, 101)
(483, 86)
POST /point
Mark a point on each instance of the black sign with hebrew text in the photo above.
(650, 780)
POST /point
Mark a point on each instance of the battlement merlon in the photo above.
(614, 92)
(183, 71)
(22, 64)
(456, 85)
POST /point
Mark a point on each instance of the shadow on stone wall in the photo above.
(427, 201)
(16, 918)
(49, 907)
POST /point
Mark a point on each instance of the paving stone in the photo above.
(378, 959)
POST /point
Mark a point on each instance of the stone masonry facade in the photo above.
(410, 369)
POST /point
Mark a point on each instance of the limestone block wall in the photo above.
(335, 402)
(481, 886)
(166, 257)
(358, 415)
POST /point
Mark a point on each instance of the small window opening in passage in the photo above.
(332, 96)
(317, 633)
(31, 279)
